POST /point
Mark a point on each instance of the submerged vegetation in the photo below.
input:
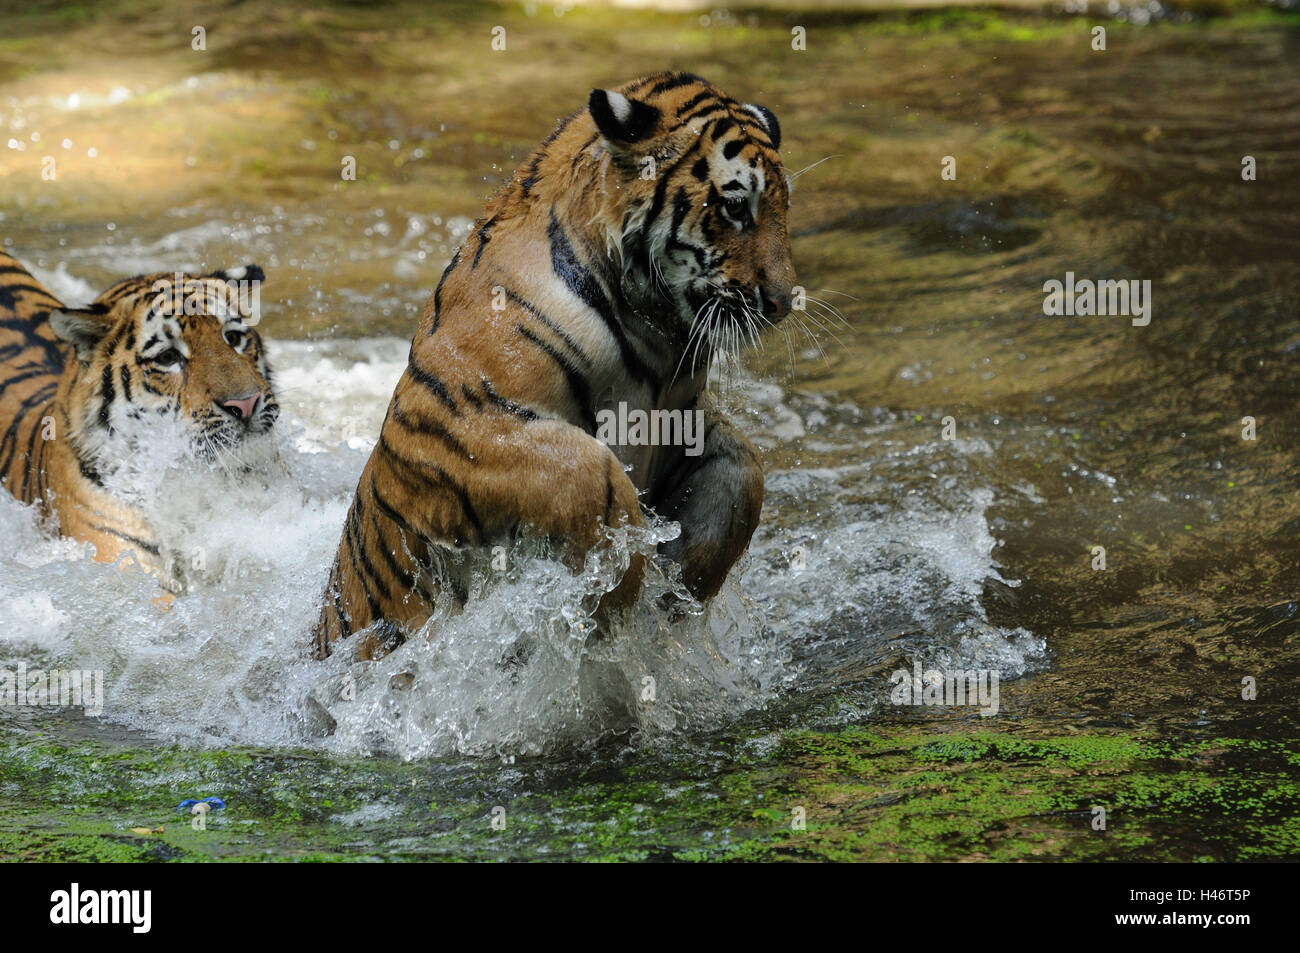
(888, 792)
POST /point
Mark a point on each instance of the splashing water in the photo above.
(518, 671)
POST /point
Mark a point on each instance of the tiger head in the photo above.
(703, 235)
(178, 347)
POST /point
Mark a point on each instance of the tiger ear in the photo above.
(768, 119)
(83, 328)
(621, 121)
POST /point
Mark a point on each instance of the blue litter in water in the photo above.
(215, 803)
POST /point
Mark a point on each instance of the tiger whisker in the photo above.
(694, 330)
(810, 324)
(830, 309)
(809, 168)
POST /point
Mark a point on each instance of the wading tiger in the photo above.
(78, 388)
(645, 234)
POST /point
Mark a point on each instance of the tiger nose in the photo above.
(776, 304)
(241, 407)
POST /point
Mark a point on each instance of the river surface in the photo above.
(942, 457)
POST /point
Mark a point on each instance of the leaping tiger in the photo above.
(77, 385)
(647, 232)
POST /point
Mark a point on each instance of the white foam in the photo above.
(514, 674)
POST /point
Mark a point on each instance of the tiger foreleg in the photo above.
(544, 477)
(716, 495)
(559, 482)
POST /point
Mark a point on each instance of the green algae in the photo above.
(885, 793)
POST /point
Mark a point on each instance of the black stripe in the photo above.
(88, 470)
(149, 548)
(431, 383)
(19, 378)
(362, 567)
(31, 462)
(574, 347)
(137, 283)
(430, 428)
(345, 623)
(578, 384)
(440, 477)
(116, 338)
(10, 440)
(465, 504)
(704, 112)
(554, 134)
(531, 177)
(437, 292)
(106, 395)
(35, 287)
(519, 410)
(675, 81)
(389, 634)
(695, 100)
(391, 511)
(661, 188)
(582, 283)
(55, 353)
(682, 205)
(750, 124)
(483, 234)
(390, 558)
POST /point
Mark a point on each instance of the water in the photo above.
(882, 543)
(227, 663)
